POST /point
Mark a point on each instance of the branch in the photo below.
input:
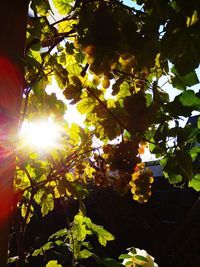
(116, 71)
(71, 16)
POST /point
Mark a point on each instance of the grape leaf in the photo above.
(53, 264)
(195, 182)
(63, 6)
(47, 204)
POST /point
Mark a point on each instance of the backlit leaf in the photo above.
(47, 204)
(53, 264)
(102, 234)
(63, 6)
(86, 105)
(84, 254)
(44, 248)
(195, 182)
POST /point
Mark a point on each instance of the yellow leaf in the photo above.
(53, 264)
(192, 20)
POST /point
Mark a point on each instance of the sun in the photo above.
(41, 134)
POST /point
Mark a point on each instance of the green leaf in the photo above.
(87, 245)
(24, 210)
(176, 108)
(53, 264)
(195, 150)
(124, 90)
(125, 256)
(132, 250)
(38, 196)
(109, 262)
(59, 234)
(176, 43)
(148, 99)
(184, 161)
(189, 99)
(41, 7)
(86, 105)
(74, 133)
(174, 178)
(102, 235)
(171, 170)
(41, 250)
(13, 259)
(47, 204)
(195, 182)
(129, 263)
(182, 82)
(63, 6)
(142, 258)
(80, 228)
(84, 254)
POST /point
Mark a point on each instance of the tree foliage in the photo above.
(109, 60)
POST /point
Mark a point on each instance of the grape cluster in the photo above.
(136, 106)
(122, 157)
(104, 35)
(121, 183)
(101, 177)
(141, 183)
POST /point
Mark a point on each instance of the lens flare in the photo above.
(42, 135)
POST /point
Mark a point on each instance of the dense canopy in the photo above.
(115, 63)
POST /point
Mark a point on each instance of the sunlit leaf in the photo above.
(74, 132)
(47, 204)
(27, 212)
(84, 254)
(63, 6)
(59, 234)
(53, 263)
(41, 6)
(86, 105)
(195, 182)
(44, 248)
(125, 256)
(102, 234)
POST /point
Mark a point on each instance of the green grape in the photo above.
(123, 157)
(141, 185)
(105, 82)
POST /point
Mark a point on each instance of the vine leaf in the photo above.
(86, 105)
(63, 6)
(182, 82)
(195, 182)
(53, 264)
(45, 247)
(184, 161)
(85, 253)
(189, 99)
(47, 204)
